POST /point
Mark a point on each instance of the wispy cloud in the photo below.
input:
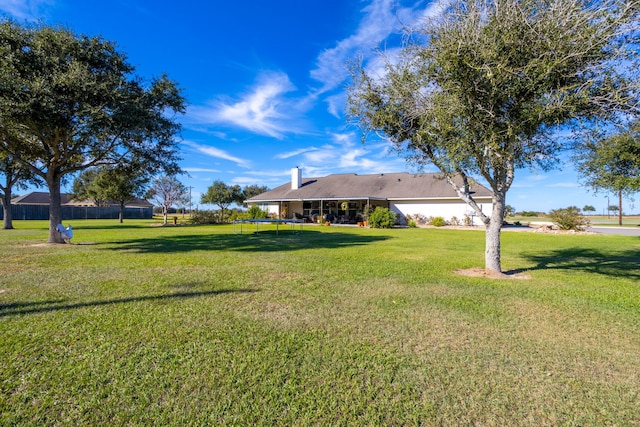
(217, 153)
(200, 170)
(382, 19)
(25, 9)
(564, 185)
(264, 109)
(377, 24)
(346, 154)
(294, 153)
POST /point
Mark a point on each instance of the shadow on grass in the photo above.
(19, 308)
(624, 264)
(264, 241)
(115, 226)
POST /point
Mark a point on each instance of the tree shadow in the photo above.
(263, 241)
(623, 263)
(18, 308)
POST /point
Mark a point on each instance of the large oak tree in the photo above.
(482, 89)
(69, 102)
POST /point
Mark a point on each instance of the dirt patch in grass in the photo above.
(481, 272)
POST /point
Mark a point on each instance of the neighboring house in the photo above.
(347, 197)
(36, 206)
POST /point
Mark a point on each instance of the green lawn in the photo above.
(596, 220)
(141, 325)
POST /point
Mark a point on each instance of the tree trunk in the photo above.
(619, 207)
(55, 209)
(121, 214)
(6, 209)
(492, 235)
(165, 214)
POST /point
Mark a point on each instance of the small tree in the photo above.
(254, 212)
(509, 210)
(84, 187)
(222, 195)
(166, 191)
(15, 175)
(588, 208)
(612, 164)
(484, 86)
(122, 184)
(105, 185)
(569, 218)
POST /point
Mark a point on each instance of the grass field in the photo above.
(596, 220)
(141, 325)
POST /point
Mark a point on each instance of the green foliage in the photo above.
(382, 218)
(438, 222)
(588, 208)
(204, 217)
(481, 89)
(108, 185)
(250, 191)
(69, 102)
(530, 213)
(612, 163)
(569, 218)
(222, 195)
(254, 212)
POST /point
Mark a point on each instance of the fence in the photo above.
(77, 212)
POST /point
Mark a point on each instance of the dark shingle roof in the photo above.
(42, 198)
(387, 186)
(38, 198)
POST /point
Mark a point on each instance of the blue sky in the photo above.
(265, 83)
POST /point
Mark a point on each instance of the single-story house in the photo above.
(346, 198)
(35, 205)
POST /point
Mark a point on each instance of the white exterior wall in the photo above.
(443, 208)
(289, 207)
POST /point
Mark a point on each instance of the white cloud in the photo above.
(197, 170)
(378, 23)
(382, 19)
(564, 185)
(263, 109)
(217, 153)
(294, 153)
(24, 9)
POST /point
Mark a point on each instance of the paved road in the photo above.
(625, 231)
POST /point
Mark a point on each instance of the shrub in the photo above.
(418, 219)
(204, 217)
(530, 213)
(382, 218)
(254, 212)
(569, 219)
(438, 222)
(412, 224)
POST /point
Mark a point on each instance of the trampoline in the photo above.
(240, 225)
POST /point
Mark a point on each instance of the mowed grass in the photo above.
(141, 325)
